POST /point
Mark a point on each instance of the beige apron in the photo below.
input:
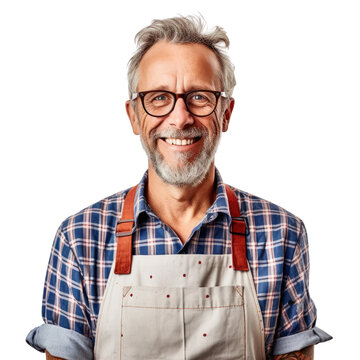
(180, 307)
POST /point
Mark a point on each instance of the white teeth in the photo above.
(180, 142)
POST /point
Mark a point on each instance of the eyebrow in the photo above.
(160, 87)
(192, 88)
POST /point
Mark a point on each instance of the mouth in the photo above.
(181, 142)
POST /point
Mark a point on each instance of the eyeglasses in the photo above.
(160, 103)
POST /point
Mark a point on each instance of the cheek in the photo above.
(215, 128)
(219, 120)
(149, 127)
(143, 122)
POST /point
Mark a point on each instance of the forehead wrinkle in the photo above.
(180, 83)
(182, 67)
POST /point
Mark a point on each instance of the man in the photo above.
(192, 268)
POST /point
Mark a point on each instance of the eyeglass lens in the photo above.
(160, 103)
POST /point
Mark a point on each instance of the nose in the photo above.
(180, 117)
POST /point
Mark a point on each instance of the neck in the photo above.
(185, 204)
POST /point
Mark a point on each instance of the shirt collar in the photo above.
(220, 204)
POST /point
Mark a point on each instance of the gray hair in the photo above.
(189, 29)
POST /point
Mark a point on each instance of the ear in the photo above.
(227, 113)
(132, 117)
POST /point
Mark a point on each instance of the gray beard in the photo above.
(189, 172)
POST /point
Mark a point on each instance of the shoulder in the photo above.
(93, 223)
(254, 204)
(267, 221)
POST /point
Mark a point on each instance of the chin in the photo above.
(189, 174)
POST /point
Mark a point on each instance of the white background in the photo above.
(293, 138)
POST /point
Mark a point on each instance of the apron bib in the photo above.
(180, 306)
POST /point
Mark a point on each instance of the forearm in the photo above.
(304, 354)
(50, 357)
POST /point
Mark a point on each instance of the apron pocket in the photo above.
(215, 323)
(152, 323)
(183, 323)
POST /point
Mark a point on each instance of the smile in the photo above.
(181, 142)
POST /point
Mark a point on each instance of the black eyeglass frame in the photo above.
(184, 96)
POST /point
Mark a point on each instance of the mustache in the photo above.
(176, 133)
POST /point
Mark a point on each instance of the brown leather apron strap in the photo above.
(124, 234)
(238, 233)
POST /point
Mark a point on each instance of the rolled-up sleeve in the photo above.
(300, 340)
(65, 309)
(296, 326)
(60, 342)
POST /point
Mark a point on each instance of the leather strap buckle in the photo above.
(122, 233)
(239, 229)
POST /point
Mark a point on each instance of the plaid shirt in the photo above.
(277, 252)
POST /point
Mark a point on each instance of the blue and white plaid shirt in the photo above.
(84, 246)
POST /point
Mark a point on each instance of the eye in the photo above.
(198, 97)
(160, 98)
(157, 99)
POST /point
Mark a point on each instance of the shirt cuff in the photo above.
(61, 342)
(301, 340)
